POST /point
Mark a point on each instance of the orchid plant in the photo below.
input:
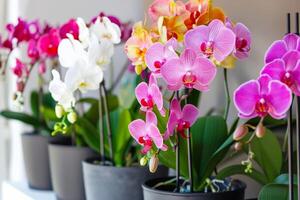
(178, 57)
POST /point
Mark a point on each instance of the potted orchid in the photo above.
(178, 58)
(86, 56)
(30, 52)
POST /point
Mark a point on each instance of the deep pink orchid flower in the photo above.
(181, 120)
(149, 95)
(146, 132)
(71, 27)
(242, 40)
(214, 40)
(286, 70)
(158, 54)
(280, 47)
(258, 98)
(48, 43)
(24, 31)
(32, 50)
(20, 69)
(190, 71)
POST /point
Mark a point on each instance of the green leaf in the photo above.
(284, 179)
(234, 125)
(267, 153)
(194, 97)
(240, 169)
(34, 102)
(48, 101)
(276, 191)
(25, 118)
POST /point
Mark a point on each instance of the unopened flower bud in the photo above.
(72, 117)
(138, 69)
(238, 146)
(20, 86)
(59, 111)
(143, 161)
(240, 132)
(153, 164)
(260, 130)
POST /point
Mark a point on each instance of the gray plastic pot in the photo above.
(165, 193)
(116, 183)
(66, 170)
(36, 159)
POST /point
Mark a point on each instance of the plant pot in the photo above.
(116, 183)
(165, 193)
(36, 160)
(66, 170)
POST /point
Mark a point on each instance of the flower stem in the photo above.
(177, 155)
(101, 133)
(227, 107)
(108, 124)
(119, 77)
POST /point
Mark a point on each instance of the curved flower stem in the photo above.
(108, 124)
(189, 148)
(227, 95)
(101, 133)
(177, 148)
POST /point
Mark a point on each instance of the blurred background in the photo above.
(266, 20)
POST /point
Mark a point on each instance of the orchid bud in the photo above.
(42, 68)
(72, 117)
(238, 146)
(240, 132)
(260, 130)
(138, 69)
(153, 164)
(59, 111)
(143, 161)
(20, 86)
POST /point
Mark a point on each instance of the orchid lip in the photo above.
(287, 79)
(262, 107)
(147, 102)
(189, 79)
(207, 48)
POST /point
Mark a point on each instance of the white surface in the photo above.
(20, 191)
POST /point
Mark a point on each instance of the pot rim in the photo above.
(89, 160)
(150, 189)
(66, 146)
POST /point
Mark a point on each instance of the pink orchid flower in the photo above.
(24, 31)
(258, 98)
(20, 68)
(280, 47)
(214, 40)
(181, 120)
(286, 70)
(146, 133)
(190, 71)
(32, 50)
(70, 27)
(149, 95)
(48, 43)
(242, 41)
(158, 54)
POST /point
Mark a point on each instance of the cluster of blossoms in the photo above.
(182, 49)
(272, 92)
(85, 51)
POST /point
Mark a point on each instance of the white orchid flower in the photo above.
(61, 92)
(105, 30)
(69, 51)
(84, 32)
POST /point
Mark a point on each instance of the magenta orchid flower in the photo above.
(32, 50)
(158, 54)
(181, 120)
(23, 30)
(214, 40)
(71, 27)
(149, 95)
(190, 71)
(48, 43)
(286, 70)
(146, 132)
(20, 69)
(280, 47)
(258, 98)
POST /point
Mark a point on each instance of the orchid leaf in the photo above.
(276, 191)
(25, 118)
(48, 101)
(35, 104)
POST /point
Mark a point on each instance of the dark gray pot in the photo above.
(36, 160)
(114, 183)
(165, 193)
(66, 170)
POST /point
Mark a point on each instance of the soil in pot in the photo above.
(116, 183)
(66, 170)
(237, 192)
(36, 159)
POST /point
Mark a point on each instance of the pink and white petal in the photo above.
(264, 81)
(250, 116)
(291, 41)
(172, 43)
(175, 87)
(188, 58)
(152, 79)
(246, 96)
(175, 107)
(141, 91)
(280, 97)
(194, 37)
(172, 72)
(241, 55)
(203, 88)
(172, 123)
(276, 50)
(137, 129)
(190, 113)
(243, 32)
(156, 96)
(291, 59)
(156, 136)
(275, 69)
(204, 70)
(151, 118)
(275, 116)
(215, 27)
(154, 53)
(224, 44)
(296, 78)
